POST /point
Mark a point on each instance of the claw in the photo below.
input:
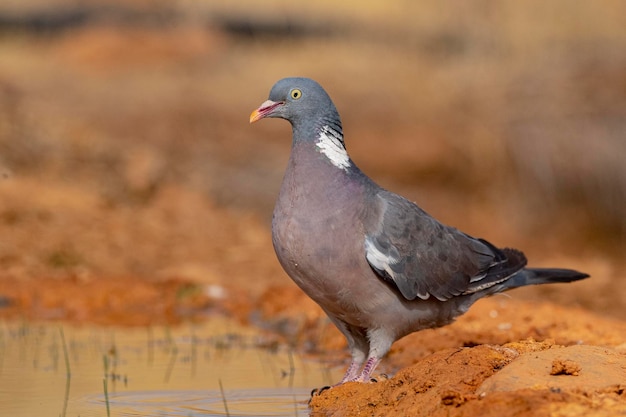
(318, 391)
(381, 377)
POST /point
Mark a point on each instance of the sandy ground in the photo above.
(133, 191)
(490, 363)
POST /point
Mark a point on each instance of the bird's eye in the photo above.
(296, 94)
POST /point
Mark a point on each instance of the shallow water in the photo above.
(213, 369)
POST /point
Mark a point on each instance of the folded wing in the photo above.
(423, 258)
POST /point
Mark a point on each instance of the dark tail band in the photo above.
(536, 276)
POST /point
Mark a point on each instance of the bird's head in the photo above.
(301, 101)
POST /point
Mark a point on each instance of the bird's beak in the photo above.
(264, 110)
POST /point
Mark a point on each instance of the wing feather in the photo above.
(424, 258)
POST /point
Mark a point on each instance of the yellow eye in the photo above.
(296, 94)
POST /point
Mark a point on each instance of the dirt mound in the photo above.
(462, 382)
(488, 362)
(573, 367)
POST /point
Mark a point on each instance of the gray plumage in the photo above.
(378, 265)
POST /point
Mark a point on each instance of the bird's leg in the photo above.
(380, 343)
(358, 357)
(369, 367)
(358, 344)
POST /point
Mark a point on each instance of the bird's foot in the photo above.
(318, 391)
(381, 377)
(353, 376)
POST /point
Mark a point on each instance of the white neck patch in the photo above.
(331, 145)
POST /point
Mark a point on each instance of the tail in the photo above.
(536, 276)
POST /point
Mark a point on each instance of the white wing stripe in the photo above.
(378, 259)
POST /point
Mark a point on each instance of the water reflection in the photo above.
(239, 402)
(216, 368)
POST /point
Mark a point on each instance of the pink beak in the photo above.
(264, 110)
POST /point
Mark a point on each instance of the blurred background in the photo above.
(125, 148)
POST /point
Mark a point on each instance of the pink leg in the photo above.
(369, 367)
(352, 373)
